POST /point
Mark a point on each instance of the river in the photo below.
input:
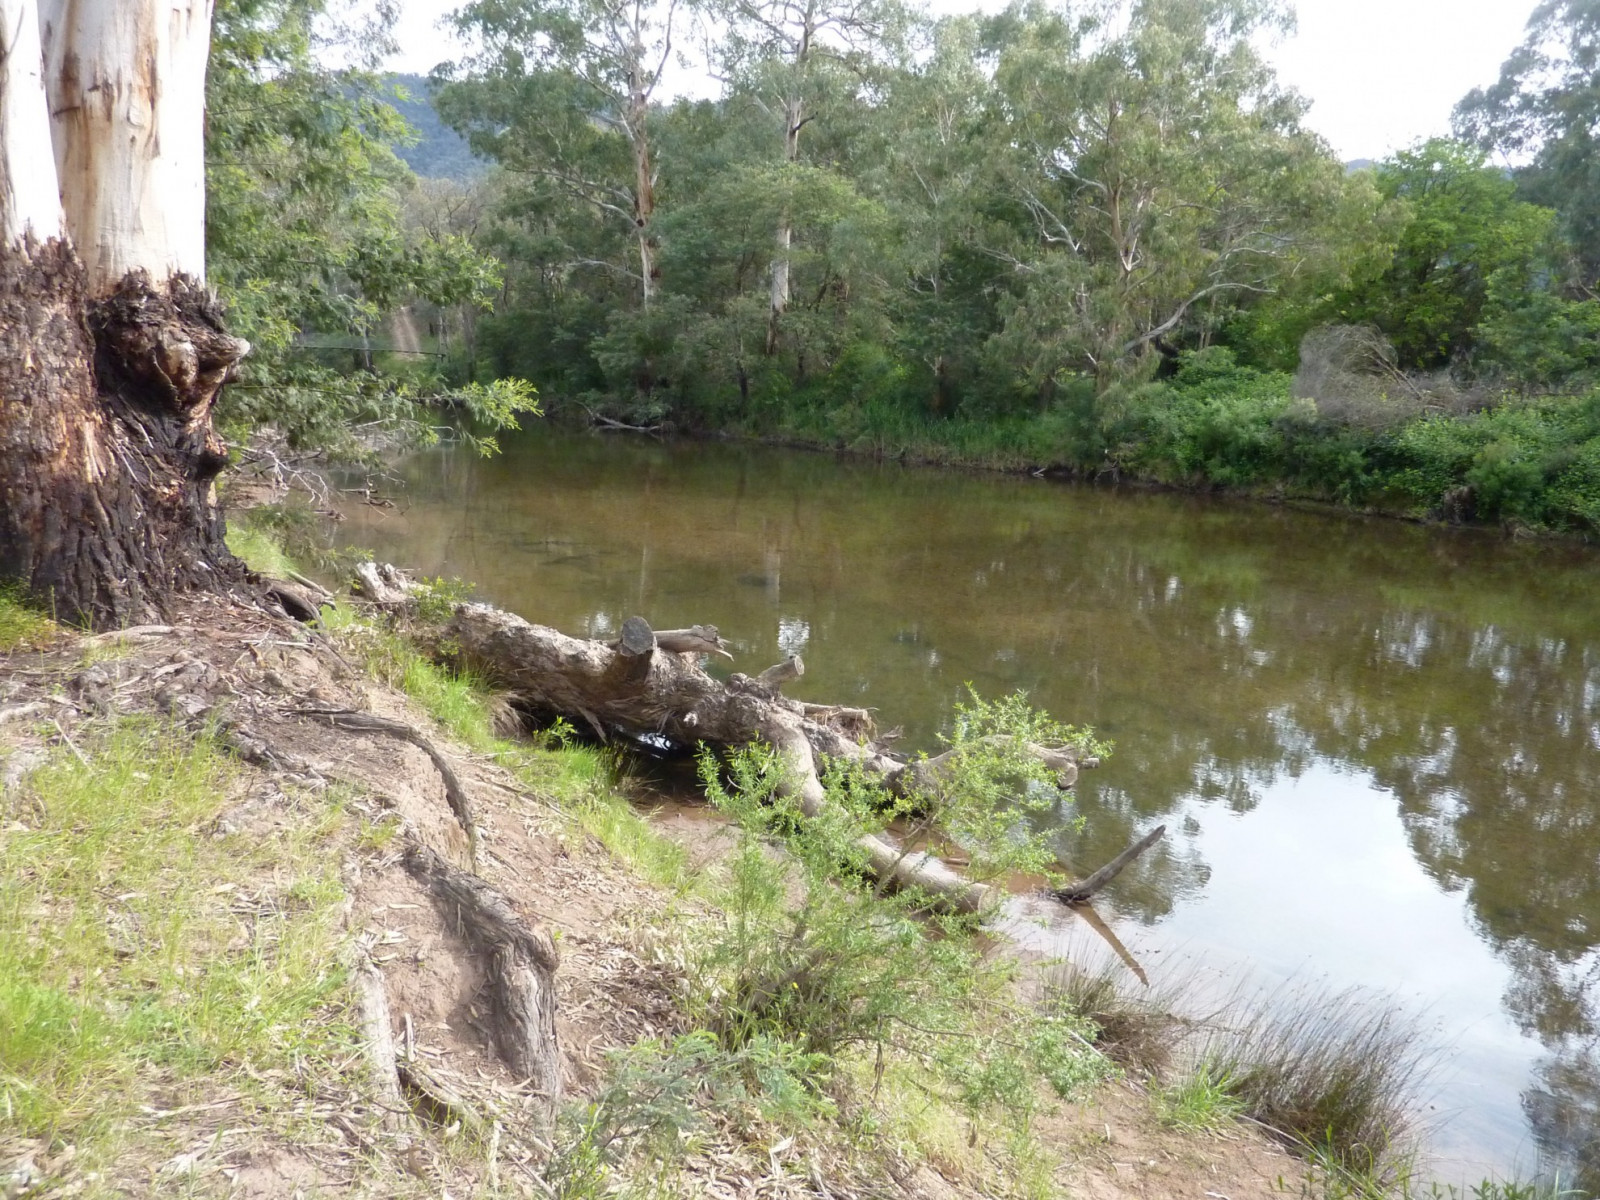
(1375, 745)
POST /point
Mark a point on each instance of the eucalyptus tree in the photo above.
(112, 351)
(791, 57)
(935, 149)
(1166, 176)
(561, 91)
(1544, 113)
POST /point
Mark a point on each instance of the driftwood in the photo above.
(381, 583)
(521, 961)
(378, 1032)
(1081, 893)
(363, 722)
(627, 688)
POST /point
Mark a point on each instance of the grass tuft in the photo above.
(1332, 1076)
(1133, 1029)
(1203, 1101)
(21, 624)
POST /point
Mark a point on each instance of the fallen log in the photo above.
(522, 963)
(626, 687)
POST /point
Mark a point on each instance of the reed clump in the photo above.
(1136, 1029)
(1333, 1076)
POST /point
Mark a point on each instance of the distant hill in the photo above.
(440, 152)
(1360, 164)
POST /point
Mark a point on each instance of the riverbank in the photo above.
(1526, 464)
(186, 969)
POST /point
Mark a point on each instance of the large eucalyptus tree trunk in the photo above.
(112, 352)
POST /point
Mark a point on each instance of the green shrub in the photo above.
(804, 949)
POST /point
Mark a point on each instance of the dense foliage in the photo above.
(1092, 236)
(305, 239)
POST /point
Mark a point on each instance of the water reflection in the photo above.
(1375, 746)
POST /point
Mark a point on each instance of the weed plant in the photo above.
(803, 948)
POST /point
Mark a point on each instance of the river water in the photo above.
(1375, 746)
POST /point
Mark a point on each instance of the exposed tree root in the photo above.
(363, 722)
(521, 962)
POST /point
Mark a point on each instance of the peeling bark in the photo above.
(126, 83)
(112, 353)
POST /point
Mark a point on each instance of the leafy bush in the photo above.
(804, 950)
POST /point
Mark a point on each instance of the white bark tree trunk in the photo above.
(778, 300)
(30, 201)
(126, 84)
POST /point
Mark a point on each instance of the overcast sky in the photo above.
(1382, 74)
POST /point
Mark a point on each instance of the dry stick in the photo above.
(441, 1104)
(1079, 893)
(312, 584)
(360, 722)
(133, 631)
(522, 963)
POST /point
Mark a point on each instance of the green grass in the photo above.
(124, 966)
(583, 781)
(1202, 1101)
(259, 550)
(21, 623)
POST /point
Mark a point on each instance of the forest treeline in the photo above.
(1098, 236)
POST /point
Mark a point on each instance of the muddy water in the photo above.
(1376, 747)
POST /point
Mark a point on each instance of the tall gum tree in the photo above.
(112, 351)
(775, 48)
(550, 83)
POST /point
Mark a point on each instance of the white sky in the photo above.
(1382, 74)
